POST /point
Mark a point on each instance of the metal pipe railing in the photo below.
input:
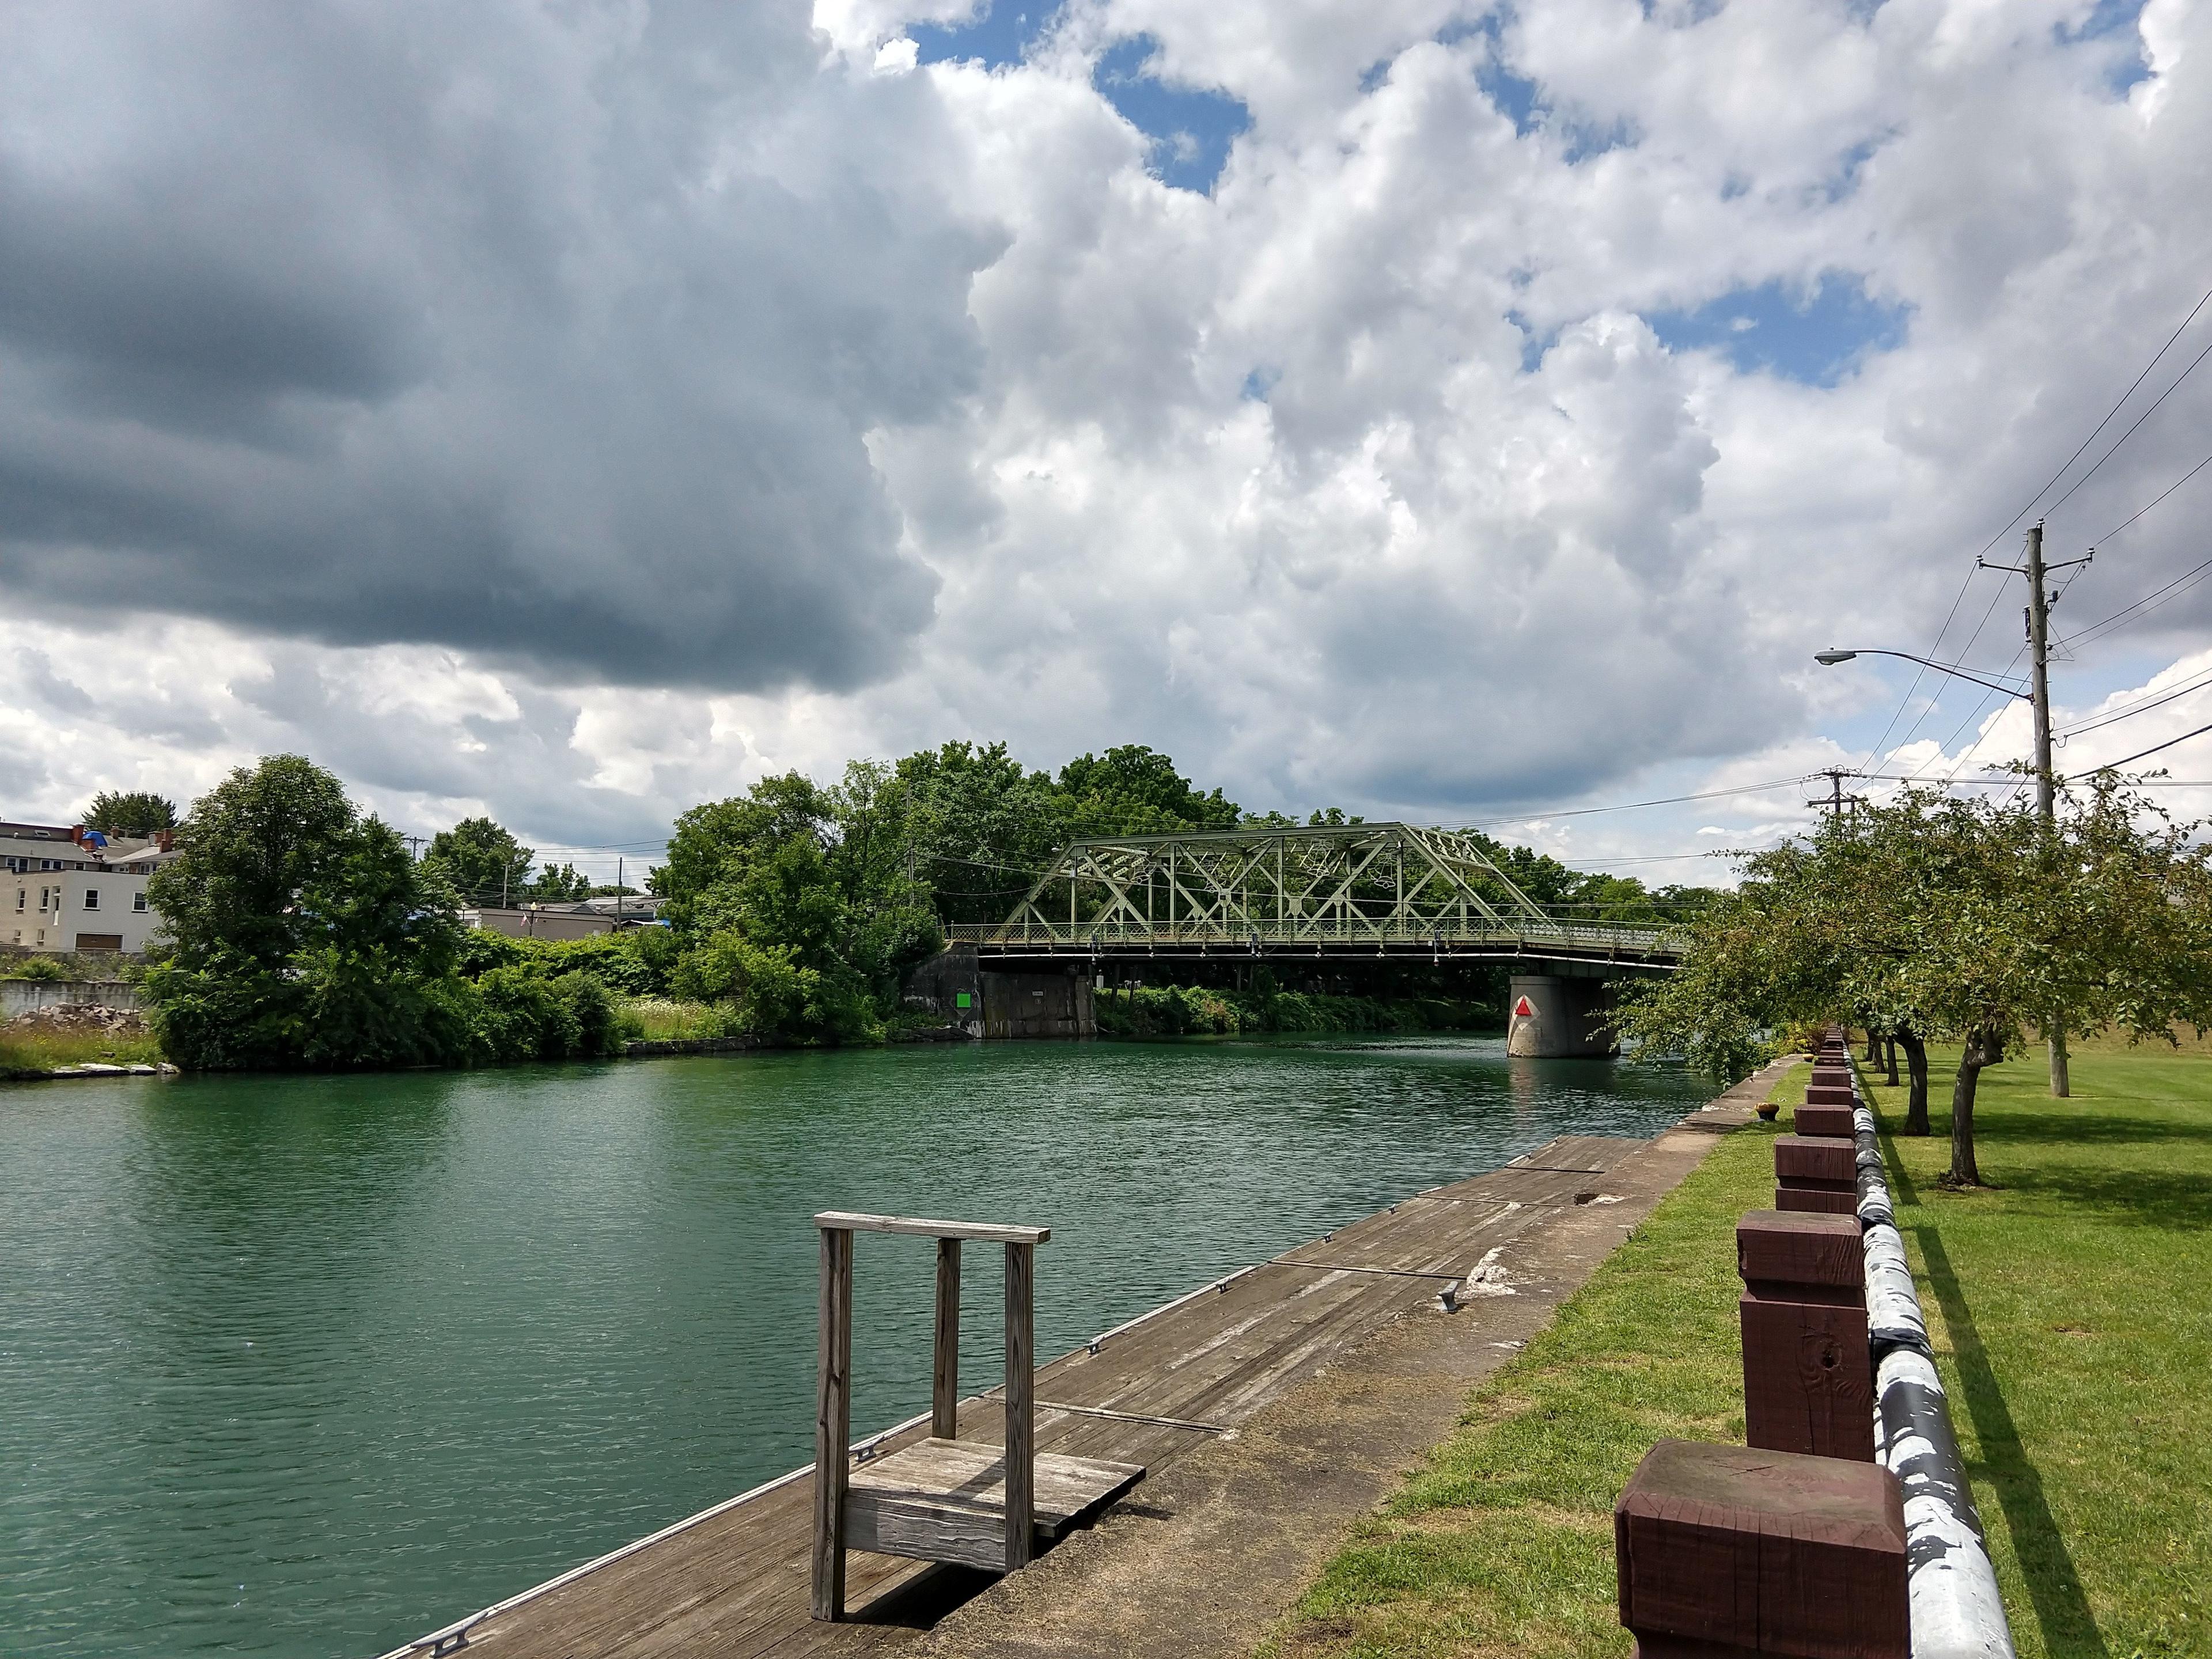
(1956, 1610)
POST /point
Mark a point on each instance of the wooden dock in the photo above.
(734, 1581)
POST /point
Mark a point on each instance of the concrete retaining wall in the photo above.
(19, 996)
(987, 1003)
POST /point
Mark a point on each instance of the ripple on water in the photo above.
(309, 1365)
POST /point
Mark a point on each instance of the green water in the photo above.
(309, 1366)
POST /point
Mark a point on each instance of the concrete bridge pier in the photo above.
(1555, 1017)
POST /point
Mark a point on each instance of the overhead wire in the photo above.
(2130, 432)
(2142, 705)
(2081, 449)
(2153, 502)
(2113, 766)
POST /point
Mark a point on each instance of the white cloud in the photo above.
(894, 406)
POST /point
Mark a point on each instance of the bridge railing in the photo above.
(1592, 940)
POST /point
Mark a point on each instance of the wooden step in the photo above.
(945, 1500)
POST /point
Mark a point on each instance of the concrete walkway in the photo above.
(1202, 1559)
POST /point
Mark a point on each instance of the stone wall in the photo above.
(21, 996)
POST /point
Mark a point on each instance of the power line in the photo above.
(1920, 674)
(2142, 705)
(2150, 602)
(2130, 432)
(1635, 805)
(2109, 417)
(2114, 766)
(2154, 501)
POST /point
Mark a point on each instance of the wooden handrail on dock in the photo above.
(942, 1499)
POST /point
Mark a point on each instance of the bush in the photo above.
(772, 994)
(523, 1016)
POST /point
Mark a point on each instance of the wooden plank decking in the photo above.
(734, 1581)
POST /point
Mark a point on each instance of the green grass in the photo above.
(32, 1052)
(663, 1019)
(2072, 1311)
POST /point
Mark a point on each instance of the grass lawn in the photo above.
(33, 1051)
(2072, 1311)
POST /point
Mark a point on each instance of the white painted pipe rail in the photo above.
(1955, 1609)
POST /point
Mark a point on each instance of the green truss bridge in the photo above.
(1346, 891)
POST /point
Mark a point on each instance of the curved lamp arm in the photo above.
(1830, 658)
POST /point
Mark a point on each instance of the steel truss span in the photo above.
(1328, 891)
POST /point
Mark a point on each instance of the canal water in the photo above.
(308, 1366)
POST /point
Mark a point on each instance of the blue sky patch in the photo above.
(1779, 329)
(1000, 36)
(1191, 128)
(2105, 19)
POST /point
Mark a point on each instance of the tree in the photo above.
(558, 883)
(300, 933)
(980, 826)
(793, 901)
(1965, 921)
(130, 813)
(1133, 790)
(482, 862)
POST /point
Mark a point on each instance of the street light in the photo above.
(1830, 658)
(2038, 699)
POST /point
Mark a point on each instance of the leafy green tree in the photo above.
(559, 884)
(1135, 790)
(1941, 918)
(794, 900)
(130, 813)
(482, 862)
(300, 933)
(980, 827)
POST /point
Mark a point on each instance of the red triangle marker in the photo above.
(1522, 1011)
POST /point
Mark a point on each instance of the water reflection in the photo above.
(308, 1365)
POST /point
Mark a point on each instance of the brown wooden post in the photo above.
(1021, 1404)
(1807, 1367)
(944, 1381)
(1728, 1550)
(833, 1422)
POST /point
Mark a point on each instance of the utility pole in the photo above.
(1836, 799)
(2039, 601)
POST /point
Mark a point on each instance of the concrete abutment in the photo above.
(990, 1002)
(1559, 1017)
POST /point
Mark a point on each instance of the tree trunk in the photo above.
(1916, 1058)
(1982, 1049)
(1889, 1055)
(1874, 1047)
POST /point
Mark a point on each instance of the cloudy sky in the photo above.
(1464, 412)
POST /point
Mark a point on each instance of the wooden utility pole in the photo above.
(1836, 799)
(2039, 601)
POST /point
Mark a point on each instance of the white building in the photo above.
(64, 888)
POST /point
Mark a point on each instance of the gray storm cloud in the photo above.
(553, 335)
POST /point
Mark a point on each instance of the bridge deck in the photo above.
(1600, 945)
(734, 1582)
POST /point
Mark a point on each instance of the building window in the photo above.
(21, 894)
(92, 898)
(138, 903)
